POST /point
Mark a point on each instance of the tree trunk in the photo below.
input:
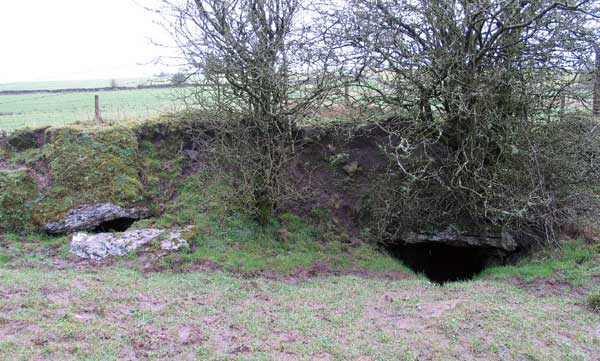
(596, 106)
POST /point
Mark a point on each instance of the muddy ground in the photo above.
(54, 307)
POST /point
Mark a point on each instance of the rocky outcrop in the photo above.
(451, 237)
(92, 216)
(102, 245)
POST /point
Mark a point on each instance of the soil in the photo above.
(548, 287)
(40, 174)
(318, 172)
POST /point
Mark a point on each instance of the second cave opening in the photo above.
(115, 225)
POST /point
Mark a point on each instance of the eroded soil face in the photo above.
(109, 311)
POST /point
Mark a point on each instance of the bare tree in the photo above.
(473, 81)
(456, 59)
(257, 62)
(262, 50)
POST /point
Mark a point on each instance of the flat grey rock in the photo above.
(503, 241)
(102, 245)
(91, 216)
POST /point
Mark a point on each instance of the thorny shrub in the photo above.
(533, 179)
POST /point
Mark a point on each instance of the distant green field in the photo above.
(35, 110)
(69, 84)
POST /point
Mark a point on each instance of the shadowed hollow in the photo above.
(442, 263)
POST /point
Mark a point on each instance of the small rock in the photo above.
(173, 242)
(351, 168)
(102, 245)
(92, 247)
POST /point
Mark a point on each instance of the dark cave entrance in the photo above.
(115, 225)
(442, 263)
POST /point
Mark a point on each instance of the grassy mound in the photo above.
(79, 165)
(18, 195)
(574, 262)
(95, 167)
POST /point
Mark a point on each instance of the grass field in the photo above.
(35, 110)
(55, 307)
(70, 84)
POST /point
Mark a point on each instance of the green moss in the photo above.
(596, 246)
(99, 167)
(92, 165)
(297, 229)
(161, 168)
(18, 194)
(89, 168)
(4, 259)
(201, 199)
(191, 233)
(594, 299)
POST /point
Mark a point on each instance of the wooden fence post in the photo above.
(97, 108)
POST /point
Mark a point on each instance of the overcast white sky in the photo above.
(77, 39)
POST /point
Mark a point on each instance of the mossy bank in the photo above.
(127, 165)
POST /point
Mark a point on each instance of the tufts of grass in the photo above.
(596, 246)
(266, 253)
(31, 250)
(4, 258)
(573, 262)
(160, 171)
(594, 299)
(240, 244)
(18, 194)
